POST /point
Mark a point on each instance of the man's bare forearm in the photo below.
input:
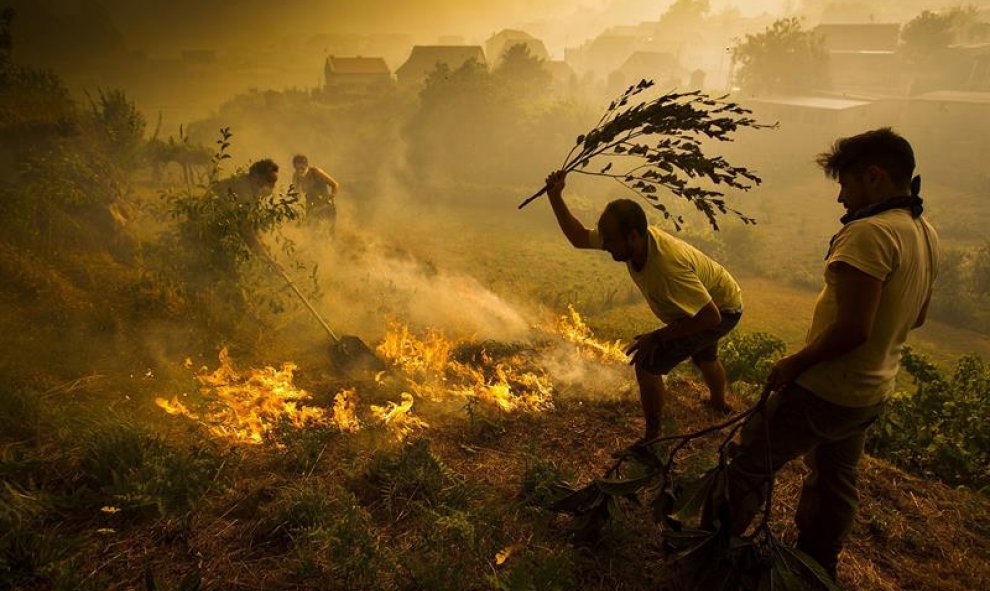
(706, 319)
(572, 228)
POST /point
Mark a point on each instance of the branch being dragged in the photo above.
(664, 137)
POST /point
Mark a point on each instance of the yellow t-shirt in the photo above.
(678, 280)
(901, 251)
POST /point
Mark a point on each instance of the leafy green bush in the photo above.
(960, 296)
(748, 357)
(119, 126)
(940, 430)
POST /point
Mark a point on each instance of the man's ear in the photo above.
(874, 175)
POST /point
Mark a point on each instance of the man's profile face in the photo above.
(614, 241)
(853, 191)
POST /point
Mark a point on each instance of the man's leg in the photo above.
(651, 394)
(784, 427)
(829, 499)
(713, 373)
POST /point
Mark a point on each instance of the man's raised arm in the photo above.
(574, 230)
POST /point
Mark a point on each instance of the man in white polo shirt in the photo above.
(695, 297)
(879, 272)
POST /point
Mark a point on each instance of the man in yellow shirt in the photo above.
(695, 297)
(879, 273)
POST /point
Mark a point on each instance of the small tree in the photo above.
(119, 126)
(927, 35)
(521, 73)
(783, 58)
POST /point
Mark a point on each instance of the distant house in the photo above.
(806, 124)
(498, 43)
(802, 114)
(951, 120)
(661, 67)
(863, 57)
(971, 66)
(425, 58)
(604, 53)
(356, 75)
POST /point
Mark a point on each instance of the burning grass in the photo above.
(246, 406)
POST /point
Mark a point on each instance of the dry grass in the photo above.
(910, 534)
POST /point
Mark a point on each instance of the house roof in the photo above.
(510, 34)
(356, 65)
(811, 102)
(956, 96)
(644, 62)
(425, 58)
(496, 45)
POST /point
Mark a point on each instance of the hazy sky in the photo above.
(162, 24)
(166, 26)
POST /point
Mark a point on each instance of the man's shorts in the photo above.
(699, 347)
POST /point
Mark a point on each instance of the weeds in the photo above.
(412, 477)
(127, 466)
(332, 536)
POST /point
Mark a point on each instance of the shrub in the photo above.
(748, 357)
(939, 430)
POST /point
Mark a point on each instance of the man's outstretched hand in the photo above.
(555, 183)
(643, 348)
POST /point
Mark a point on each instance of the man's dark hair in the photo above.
(263, 167)
(300, 159)
(629, 215)
(880, 147)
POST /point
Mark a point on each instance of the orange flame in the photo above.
(574, 329)
(345, 411)
(431, 372)
(245, 407)
(174, 407)
(398, 418)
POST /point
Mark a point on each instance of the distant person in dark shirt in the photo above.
(319, 190)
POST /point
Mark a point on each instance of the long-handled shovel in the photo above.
(347, 352)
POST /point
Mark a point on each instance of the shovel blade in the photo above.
(351, 355)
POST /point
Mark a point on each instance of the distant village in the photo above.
(869, 79)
